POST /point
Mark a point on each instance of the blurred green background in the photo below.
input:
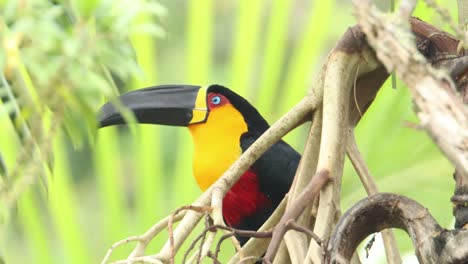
(107, 185)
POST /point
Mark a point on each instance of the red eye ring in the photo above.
(216, 100)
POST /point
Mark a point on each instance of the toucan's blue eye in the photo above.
(216, 100)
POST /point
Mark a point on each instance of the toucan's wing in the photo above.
(275, 168)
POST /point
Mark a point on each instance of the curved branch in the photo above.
(382, 211)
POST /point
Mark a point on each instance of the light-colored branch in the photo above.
(308, 194)
(217, 205)
(359, 164)
(441, 113)
(142, 259)
(190, 208)
(197, 257)
(352, 150)
(144, 239)
(297, 243)
(337, 92)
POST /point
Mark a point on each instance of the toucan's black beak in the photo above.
(173, 105)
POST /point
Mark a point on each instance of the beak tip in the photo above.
(108, 116)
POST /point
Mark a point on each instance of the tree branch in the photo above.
(441, 112)
(308, 194)
(382, 211)
(391, 247)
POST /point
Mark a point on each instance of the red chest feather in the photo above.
(244, 199)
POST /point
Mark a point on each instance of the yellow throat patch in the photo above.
(216, 144)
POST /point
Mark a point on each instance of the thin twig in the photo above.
(204, 248)
(144, 239)
(231, 232)
(237, 232)
(307, 195)
(354, 90)
(352, 150)
(359, 164)
(220, 241)
(199, 209)
(201, 238)
(294, 226)
(200, 251)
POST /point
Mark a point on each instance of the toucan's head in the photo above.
(216, 117)
(180, 105)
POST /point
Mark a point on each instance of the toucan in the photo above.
(223, 125)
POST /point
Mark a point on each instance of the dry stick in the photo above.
(294, 246)
(201, 238)
(235, 232)
(208, 222)
(297, 243)
(359, 164)
(352, 150)
(144, 239)
(295, 226)
(216, 204)
(205, 244)
(280, 128)
(441, 112)
(338, 84)
(141, 259)
(256, 247)
(308, 194)
(199, 209)
(230, 233)
(204, 249)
